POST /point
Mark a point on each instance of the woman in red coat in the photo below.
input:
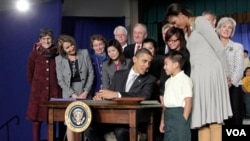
(41, 75)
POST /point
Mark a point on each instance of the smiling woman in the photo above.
(234, 52)
(41, 75)
(23, 27)
(77, 63)
(210, 90)
(116, 61)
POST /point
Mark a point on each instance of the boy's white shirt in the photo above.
(177, 88)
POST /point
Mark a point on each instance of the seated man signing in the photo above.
(134, 82)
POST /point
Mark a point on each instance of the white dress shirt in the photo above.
(131, 78)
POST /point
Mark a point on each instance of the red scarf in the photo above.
(46, 52)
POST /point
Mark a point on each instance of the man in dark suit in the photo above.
(164, 49)
(142, 86)
(139, 34)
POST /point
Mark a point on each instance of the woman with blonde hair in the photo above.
(235, 57)
(74, 72)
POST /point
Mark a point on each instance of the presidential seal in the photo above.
(78, 116)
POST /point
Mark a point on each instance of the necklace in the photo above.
(189, 29)
(192, 26)
(73, 66)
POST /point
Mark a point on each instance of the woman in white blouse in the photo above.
(234, 52)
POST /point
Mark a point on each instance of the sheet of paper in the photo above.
(150, 102)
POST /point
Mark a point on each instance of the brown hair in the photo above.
(98, 37)
(64, 38)
(174, 31)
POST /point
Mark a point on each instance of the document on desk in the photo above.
(151, 102)
(64, 99)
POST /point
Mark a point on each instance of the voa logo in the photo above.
(236, 132)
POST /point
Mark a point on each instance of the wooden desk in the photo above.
(107, 112)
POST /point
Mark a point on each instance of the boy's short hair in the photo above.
(245, 51)
(176, 56)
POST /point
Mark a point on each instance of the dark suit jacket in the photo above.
(156, 66)
(129, 51)
(142, 87)
(109, 70)
(161, 50)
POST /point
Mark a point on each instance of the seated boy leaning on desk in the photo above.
(134, 82)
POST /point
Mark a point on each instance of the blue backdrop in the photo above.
(242, 35)
(19, 31)
(82, 28)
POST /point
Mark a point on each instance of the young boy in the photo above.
(177, 103)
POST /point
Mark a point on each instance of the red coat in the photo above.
(41, 75)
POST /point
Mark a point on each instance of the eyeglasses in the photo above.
(172, 41)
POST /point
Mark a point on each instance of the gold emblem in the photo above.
(78, 116)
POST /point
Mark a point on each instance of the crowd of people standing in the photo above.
(196, 76)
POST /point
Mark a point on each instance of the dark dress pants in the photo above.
(237, 104)
(96, 132)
